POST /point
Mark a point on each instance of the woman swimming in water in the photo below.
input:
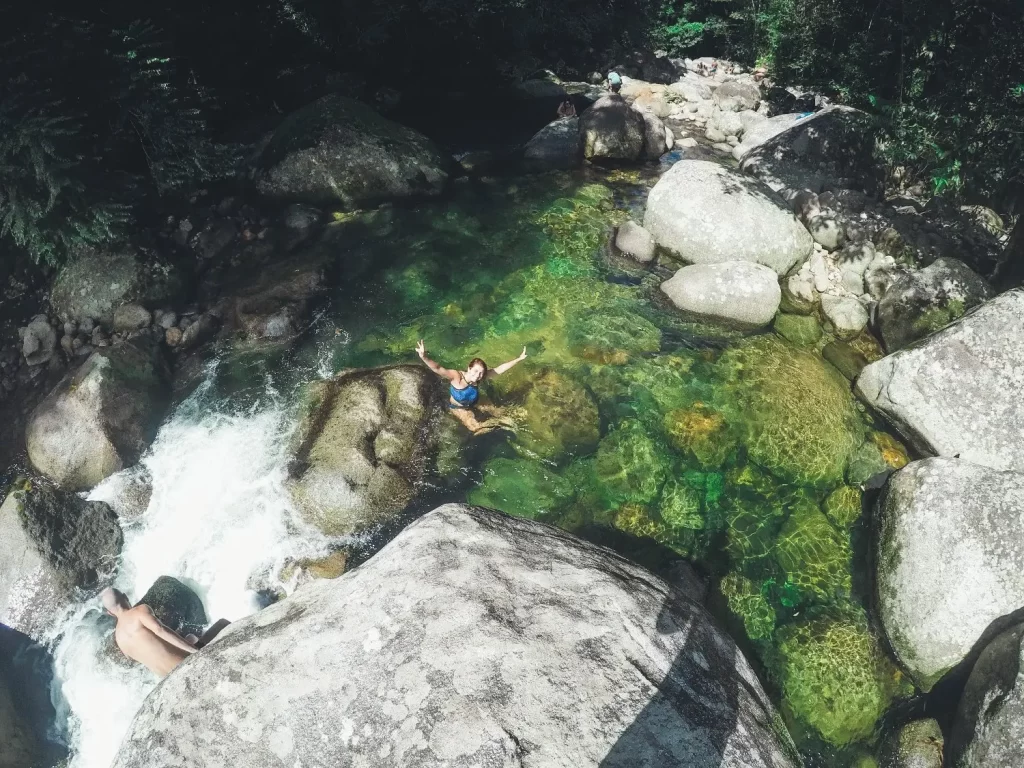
(464, 391)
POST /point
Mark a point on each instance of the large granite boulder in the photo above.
(557, 145)
(918, 744)
(99, 419)
(612, 130)
(705, 214)
(658, 139)
(920, 303)
(958, 392)
(990, 717)
(339, 151)
(472, 638)
(950, 560)
(758, 133)
(833, 148)
(96, 281)
(365, 440)
(51, 542)
(737, 95)
(736, 293)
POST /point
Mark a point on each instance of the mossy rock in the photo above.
(631, 465)
(893, 452)
(814, 554)
(799, 414)
(561, 418)
(843, 506)
(635, 519)
(521, 487)
(847, 360)
(865, 463)
(745, 599)
(329, 567)
(802, 330)
(702, 433)
(612, 336)
(680, 505)
(835, 676)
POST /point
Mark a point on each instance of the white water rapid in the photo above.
(219, 519)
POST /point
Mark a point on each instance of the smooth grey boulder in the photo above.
(51, 542)
(100, 418)
(918, 744)
(923, 302)
(990, 718)
(845, 314)
(958, 391)
(96, 281)
(657, 138)
(832, 148)
(691, 91)
(636, 242)
(736, 293)
(39, 342)
(705, 213)
(131, 317)
(738, 95)
(472, 639)
(364, 443)
(338, 150)
(758, 133)
(612, 130)
(950, 560)
(557, 145)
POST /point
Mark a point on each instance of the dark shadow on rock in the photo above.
(27, 668)
(737, 184)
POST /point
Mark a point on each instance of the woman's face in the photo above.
(475, 374)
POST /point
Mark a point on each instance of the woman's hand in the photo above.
(421, 349)
(523, 355)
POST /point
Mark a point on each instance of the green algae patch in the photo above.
(612, 336)
(814, 555)
(801, 423)
(746, 600)
(938, 317)
(834, 676)
(631, 465)
(802, 330)
(521, 487)
(681, 505)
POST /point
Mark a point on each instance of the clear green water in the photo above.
(653, 436)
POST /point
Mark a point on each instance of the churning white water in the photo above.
(219, 519)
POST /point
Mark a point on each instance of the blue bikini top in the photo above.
(466, 396)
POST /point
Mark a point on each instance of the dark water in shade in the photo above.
(659, 438)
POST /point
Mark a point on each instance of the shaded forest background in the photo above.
(108, 110)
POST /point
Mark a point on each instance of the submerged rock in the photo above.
(561, 418)
(705, 213)
(632, 464)
(800, 419)
(482, 633)
(557, 145)
(989, 719)
(926, 301)
(365, 440)
(339, 151)
(612, 130)
(736, 293)
(51, 542)
(949, 560)
(100, 418)
(636, 242)
(835, 676)
(957, 392)
(522, 487)
(96, 281)
(917, 744)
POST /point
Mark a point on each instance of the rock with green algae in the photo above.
(681, 505)
(799, 414)
(746, 600)
(702, 433)
(521, 487)
(561, 419)
(843, 506)
(635, 519)
(802, 330)
(631, 465)
(814, 554)
(865, 462)
(834, 676)
(754, 512)
(847, 360)
(612, 335)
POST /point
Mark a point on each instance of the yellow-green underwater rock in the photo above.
(799, 414)
(745, 599)
(834, 676)
(521, 487)
(631, 464)
(561, 418)
(702, 433)
(843, 506)
(814, 554)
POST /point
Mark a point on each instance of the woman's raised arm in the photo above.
(500, 369)
(421, 350)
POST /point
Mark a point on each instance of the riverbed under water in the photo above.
(660, 438)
